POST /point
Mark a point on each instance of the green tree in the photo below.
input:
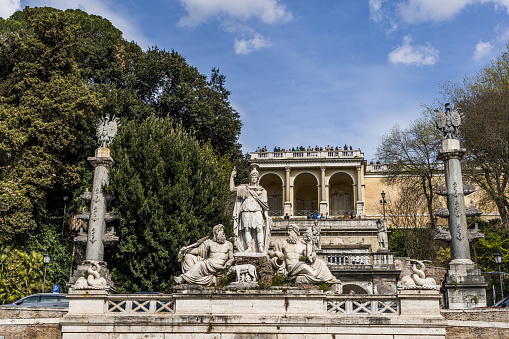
(46, 118)
(21, 274)
(484, 100)
(411, 158)
(170, 191)
(60, 71)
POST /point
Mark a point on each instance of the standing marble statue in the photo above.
(251, 221)
(205, 260)
(287, 259)
(381, 226)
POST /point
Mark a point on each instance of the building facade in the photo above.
(338, 183)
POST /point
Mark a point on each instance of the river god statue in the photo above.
(205, 260)
(295, 258)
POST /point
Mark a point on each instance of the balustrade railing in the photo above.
(300, 213)
(378, 305)
(364, 306)
(349, 259)
(342, 213)
(275, 213)
(375, 259)
(143, 304)
(307, 154)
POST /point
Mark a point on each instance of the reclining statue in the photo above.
(296, 259)
(206, 260)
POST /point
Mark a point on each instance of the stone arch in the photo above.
(356, 289)
(273, 184)
(341, 193)
(340, 171)
(305, 187)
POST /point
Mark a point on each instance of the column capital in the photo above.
(322, 168)
(451, 154)
(288, 168)
(101, 161)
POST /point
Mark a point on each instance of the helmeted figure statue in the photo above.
(287, 258)
(205, 260)
(251, 221)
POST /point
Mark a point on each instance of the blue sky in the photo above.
(316, 72)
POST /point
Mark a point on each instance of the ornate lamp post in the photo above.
(383, 202)
(46, 259)
(498, 261)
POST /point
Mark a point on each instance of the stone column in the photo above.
(102, 163)
(287, 204)
(464, 286)
(451, 154)
(360, 204)
(323, 203)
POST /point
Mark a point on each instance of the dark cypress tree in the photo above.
(170, 191)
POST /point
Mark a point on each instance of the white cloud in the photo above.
(268, 11)
(418, 55)
(382, 15)
(8, 7)
(244, 47)
(375, 10)
(483, 50)
(416, 11)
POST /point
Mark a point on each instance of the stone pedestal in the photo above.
(464, 286)
(287, 208)
(82, 271)
(262, 264)
(359, 208)
(420, 303)
(323, 207)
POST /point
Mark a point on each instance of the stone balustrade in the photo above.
(348, 154)
(363, 305)
(282, 312)
(359, 259)
(343, 259)
(154, 304)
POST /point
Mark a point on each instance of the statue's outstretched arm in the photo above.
(232, 177)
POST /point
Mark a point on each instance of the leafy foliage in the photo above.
(170, 191)
(414, 242)
(60, 71)
(46, 115)
(411, 158)
(21, 274)
(484, 100)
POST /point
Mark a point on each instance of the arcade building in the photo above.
(338, 183)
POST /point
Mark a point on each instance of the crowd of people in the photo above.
(314, 215)
(308, 149)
